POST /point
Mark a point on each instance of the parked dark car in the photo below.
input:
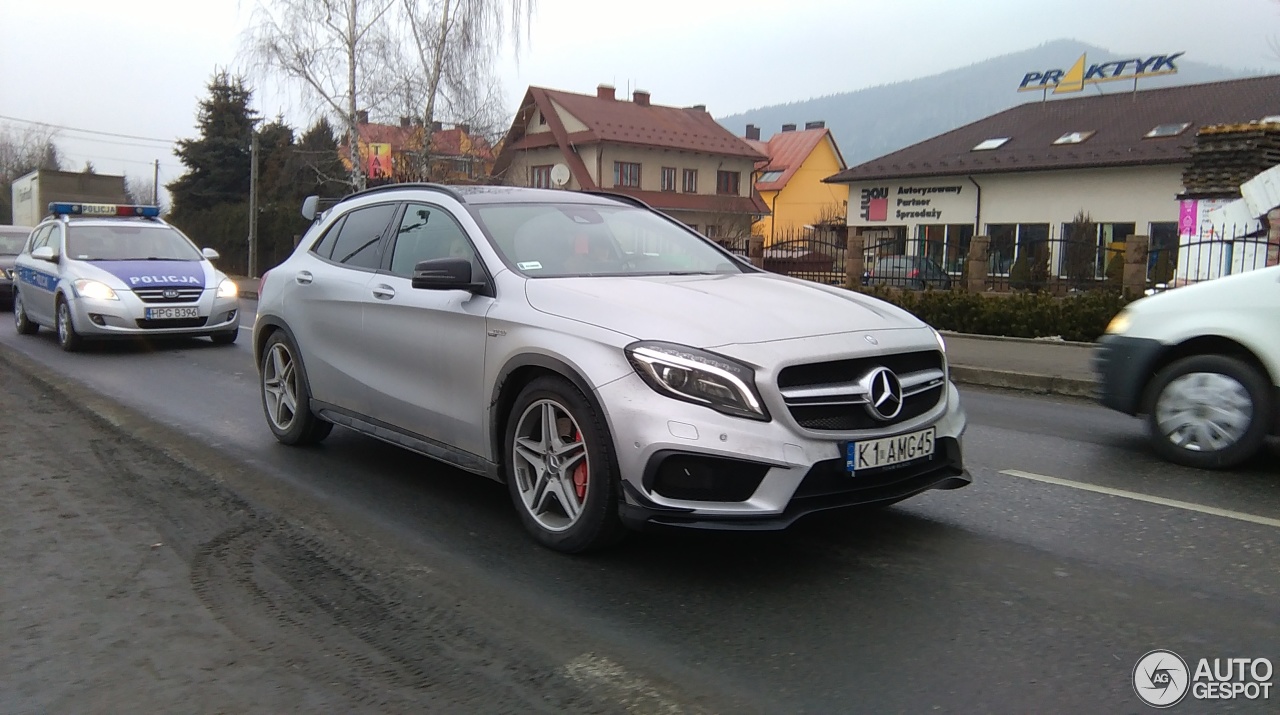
(12, 239)
(914, 272)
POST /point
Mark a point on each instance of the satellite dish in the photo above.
(559, 174)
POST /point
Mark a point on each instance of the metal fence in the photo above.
(811, 254)
(1209, 255)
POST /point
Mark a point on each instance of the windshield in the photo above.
(11, 241)
(557, 240)
(129, 242)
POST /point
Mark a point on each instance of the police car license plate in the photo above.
(172, 313)
(889, 451)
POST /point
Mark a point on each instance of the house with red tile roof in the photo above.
(678, 160)
(792, 180)
(457, 156)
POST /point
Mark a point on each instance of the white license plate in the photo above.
(171, 313)
(889, 451)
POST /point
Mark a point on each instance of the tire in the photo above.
(68, 338)
(23, 324)
(584, 478)
(281, 381)
(226, 338)
(1208, 411)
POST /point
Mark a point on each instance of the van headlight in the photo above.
(227, 289)
(1119, 324)
(698, 376)
(95, 289)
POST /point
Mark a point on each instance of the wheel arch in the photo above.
(1212, 345)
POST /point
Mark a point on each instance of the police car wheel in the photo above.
(226, 338)
(286, 397)
(24, 325)
(68, 338)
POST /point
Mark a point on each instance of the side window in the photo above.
(428, 232)
(357, 242)
(324, 247)
(38, 238)
(55, 239)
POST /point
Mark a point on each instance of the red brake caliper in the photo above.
(580, 473)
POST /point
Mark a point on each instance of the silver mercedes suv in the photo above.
(613, 367)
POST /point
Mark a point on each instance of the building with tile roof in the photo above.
(457, 155)
(1020, 176)
(677, 159)
(792, 180)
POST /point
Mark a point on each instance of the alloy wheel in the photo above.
(280, 387)
(64, 321)
(551, 467)
(1204, 411)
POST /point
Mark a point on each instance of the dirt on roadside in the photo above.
(130, 583)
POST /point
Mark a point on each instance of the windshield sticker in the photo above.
(529, 266)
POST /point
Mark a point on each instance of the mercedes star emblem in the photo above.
(884, 394)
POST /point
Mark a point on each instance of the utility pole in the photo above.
(253, 206)
(155, 185)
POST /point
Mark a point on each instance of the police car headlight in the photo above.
(227, 289)
(95, 290)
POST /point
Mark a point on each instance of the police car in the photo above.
(92, 271)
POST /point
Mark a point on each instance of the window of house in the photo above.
(1073, 137)
(542, 119)
(728, 183)
(1009, 241)
(712, 231)
(946, 244)
(540, 176)
(1162, 261)
(693, 226)
(1167, 130)
(690, 181)
(626, 174)
(668, 178)
(770, 176)
(989, 144)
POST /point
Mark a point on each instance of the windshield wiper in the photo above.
(691, 273)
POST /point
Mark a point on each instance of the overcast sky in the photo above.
(138, 67)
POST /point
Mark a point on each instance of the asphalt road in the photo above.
(1016, 594)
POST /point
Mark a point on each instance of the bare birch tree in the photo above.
(330, 48)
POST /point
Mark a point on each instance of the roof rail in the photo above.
(408, 185)
(621, 197)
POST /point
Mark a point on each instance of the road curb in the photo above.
(1040, 384)
(1025, 341)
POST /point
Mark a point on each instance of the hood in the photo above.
(156, 274)
(1239, 289)
(709, 311)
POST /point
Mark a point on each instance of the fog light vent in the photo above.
(702, 478)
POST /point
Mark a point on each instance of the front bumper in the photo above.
(769, 474)
(126, 317)
(1124, 365)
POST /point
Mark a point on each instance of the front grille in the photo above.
(177, 295)
(826, 396)
(172, 323)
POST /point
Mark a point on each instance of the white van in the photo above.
(1202, 363)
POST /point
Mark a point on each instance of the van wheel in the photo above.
(23, 324)
(68, 338)
(559, 470)
(1208, 411)
(286, 396)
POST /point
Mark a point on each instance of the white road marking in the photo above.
(633, 693)
(247, 327)
(1136, 496)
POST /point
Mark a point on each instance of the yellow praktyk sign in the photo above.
(1082, 73)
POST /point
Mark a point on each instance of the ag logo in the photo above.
(1161, 678)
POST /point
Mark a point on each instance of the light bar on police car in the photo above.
(62, 208)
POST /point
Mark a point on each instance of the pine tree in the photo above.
(319, 169)
(218, 160)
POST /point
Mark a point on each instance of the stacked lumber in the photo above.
(1227, 155)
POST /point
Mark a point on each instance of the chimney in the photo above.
(788, 127)
(466, 128)
(753, 132)
(404, 122)
(640, 97)
(815, 125)
(604, 91)
(362, 116)
(700, 107)
(436, 126)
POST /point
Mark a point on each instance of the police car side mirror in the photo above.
(45, 253)
(210, 254)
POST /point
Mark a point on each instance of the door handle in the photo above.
(385, 292)
(304, 277)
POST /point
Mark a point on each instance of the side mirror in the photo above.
(309, 206)
(45, 253)
(444, 274)
(210, 254)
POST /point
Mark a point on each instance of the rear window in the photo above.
(11, 241)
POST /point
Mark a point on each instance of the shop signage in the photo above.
(903, 203)
(1082, 73)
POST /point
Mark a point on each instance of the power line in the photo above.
(86, 131)
(95, 157)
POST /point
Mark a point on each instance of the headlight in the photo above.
(95, 290)
(1119, 324)
(699, 377)
(227, 289)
